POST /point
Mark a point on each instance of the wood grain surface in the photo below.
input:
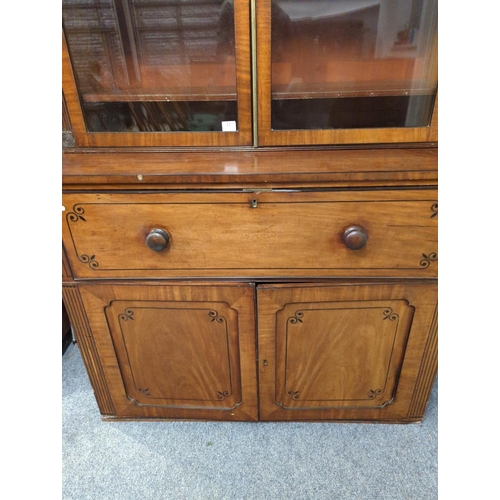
(221, 234)
(256, 309)
(343, 351)
(175, 351)
(224, 169)
(86, 340)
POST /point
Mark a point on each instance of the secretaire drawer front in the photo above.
(283, 234)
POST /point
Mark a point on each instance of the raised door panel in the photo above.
(340, 354)
(175, 351)
(342, 351)
(178, 355)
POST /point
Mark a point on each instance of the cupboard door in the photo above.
(346, 352)
(335, 72)
(158, 72)
(169, 351)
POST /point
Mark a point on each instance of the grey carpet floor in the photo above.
(239, 461)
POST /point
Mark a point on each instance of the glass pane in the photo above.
(346, 64)
(153, 65)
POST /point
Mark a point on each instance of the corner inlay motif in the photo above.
(76, 215)
(215, 317)
(427, 259)
(93, 264)
(434, 209)
(388, 314)
(297, 318)
(374, 393)
(128, 314)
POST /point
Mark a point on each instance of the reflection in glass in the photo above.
(153, 65)
(353, 63)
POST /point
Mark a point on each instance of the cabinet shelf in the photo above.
(150, 95)
(295, 91)
(351, 89)
(180, 82)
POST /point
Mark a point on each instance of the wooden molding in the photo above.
(427, 372)
(67, 273)
(83, 333)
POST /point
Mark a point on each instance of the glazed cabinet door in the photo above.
(352, 71)
(157, 72)
(168, 351)
(346, 352)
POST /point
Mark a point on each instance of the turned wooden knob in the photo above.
(157, 240)
(355, 237)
